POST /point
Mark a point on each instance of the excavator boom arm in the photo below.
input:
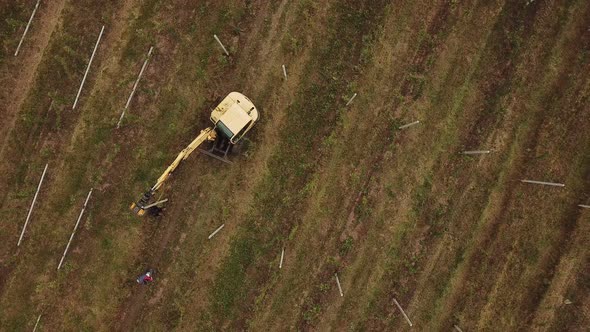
(206, 134)
(143, 203)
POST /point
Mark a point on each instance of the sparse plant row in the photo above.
(444, 187)
(351, 213)
(538, 252)
(375, 140)
(220, 205)
(433, 201)
(577, 287)
(35, 110)
(442, 279)
(291, 167)
(177, 106)
(546, 90)
(18, 74)
(48, 213)
(27, 134)
(470, 203)
(175, 110)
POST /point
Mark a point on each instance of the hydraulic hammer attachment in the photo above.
(140, 207)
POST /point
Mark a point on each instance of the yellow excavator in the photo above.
(232, 119)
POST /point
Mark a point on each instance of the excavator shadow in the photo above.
(219, 149)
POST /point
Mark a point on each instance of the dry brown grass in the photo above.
(456, 240)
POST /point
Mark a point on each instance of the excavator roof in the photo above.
(235, 119)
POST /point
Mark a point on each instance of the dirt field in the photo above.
(398, 214)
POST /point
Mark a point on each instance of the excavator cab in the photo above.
(232, 118)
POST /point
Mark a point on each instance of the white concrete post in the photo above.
(216, 231)
(220, 44)
(156, 203)
(135, 86)
(409, 125)
(38, 319)
(351, 99)
(476, 152)
(338, 283)
(75, 227)
(88, 68)
(31, 208)
(544, 183)
(403, 312)
(27, 28)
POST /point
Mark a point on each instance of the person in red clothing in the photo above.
(144, 279)
(148, 278)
